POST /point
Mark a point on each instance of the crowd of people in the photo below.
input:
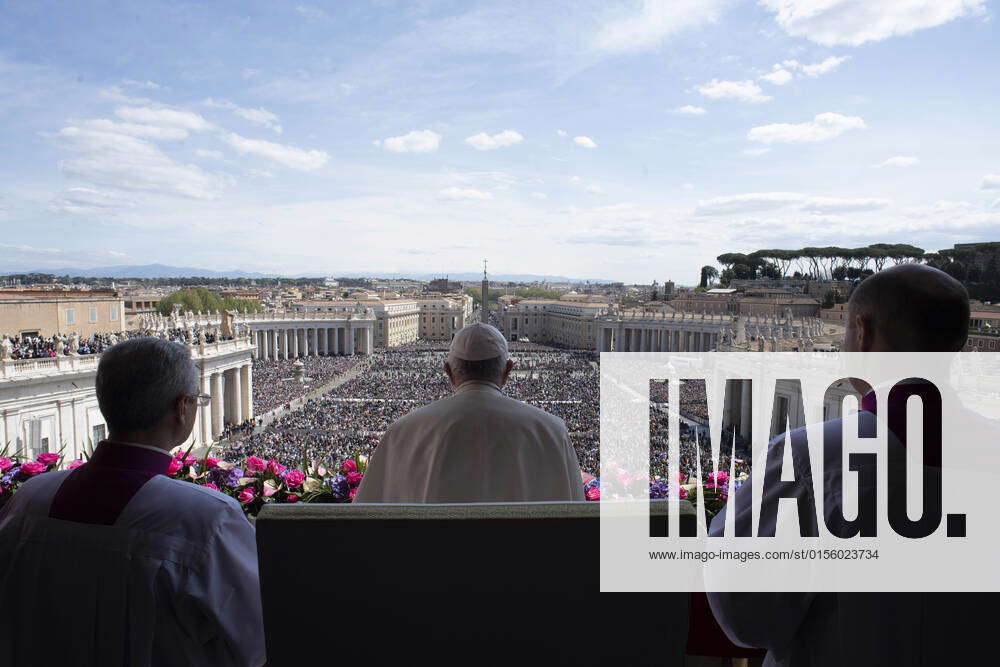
(348, 420)
(275, 383)
(41, 347)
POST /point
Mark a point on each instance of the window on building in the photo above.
(70, 315)
(113, 315)
(98, 433)
(92, 315)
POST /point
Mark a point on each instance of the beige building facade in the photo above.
(25, 313)
(568, 321)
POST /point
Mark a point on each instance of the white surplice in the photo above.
(172, 582)
(476, 445)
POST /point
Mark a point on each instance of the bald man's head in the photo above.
(908, 308)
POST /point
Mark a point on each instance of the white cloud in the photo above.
(755, 152)
(828, 65)
(417, 141)
(595, 189)
(539, 195)
(89, 200)
(487, 142)
(990, 182)
(836, 205)
(779, 76)
(745, 91)
(561, 133)
(208, 154)
(824, 126)
(464, 194)
(158, 132)
(630, 30)
(289, 156)
(899, 161)
(129, 163)
(187, 120)
(146, 85)
(690, 109)
(687, 186)
(261, 117)
(850, 22)
(770, 201)
(586, 142)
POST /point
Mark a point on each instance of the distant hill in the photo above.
(165, 271)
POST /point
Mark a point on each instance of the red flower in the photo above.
(32, 468)
(246, 495)
(291, 498)
(294, 478)
(211, 486)
(349, 466)
(353, 493)
(74, 464)
(275, 467)
(48, 458)
(255, 464)
(175, 466)
(354, 478)
(593, 493)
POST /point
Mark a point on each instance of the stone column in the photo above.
(323, 341)
(313, 341)
(300, 334)
(274, 342)
(218, 406)
(335, 349)
(205, 412)
(350, 340)
(284, 344)
(246, 386)
(234, 393)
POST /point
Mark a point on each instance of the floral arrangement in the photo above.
(259, 482)
(15, 470)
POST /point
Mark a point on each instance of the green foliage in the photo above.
(201, 299)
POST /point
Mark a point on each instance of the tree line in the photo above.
(811, 263)
(199, 299)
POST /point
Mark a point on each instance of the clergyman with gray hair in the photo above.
(476, 445)
(114, 562)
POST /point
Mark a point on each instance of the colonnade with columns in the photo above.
(292, 340)
(231, 389)
(625, 337)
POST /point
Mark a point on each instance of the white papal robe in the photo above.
(116, 564)
(476, 445)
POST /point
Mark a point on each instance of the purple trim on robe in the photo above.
(98, 491)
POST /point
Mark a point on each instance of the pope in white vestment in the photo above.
(476, 445)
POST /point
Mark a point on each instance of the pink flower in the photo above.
(354, 478)
(74, 464)
(275, 467)
(294, 478)
(48, 458)
(211, 462)
(211, 486)
(353, 493)
(32, 468)
(684, 493)
(593, 493)
(719, 477)
(6, 464)
(246, 495)
(255, 464)
(348, 466)
(175, 466)
(291, 498)
(190, 460)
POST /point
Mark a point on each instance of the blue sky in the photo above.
(623, 140)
